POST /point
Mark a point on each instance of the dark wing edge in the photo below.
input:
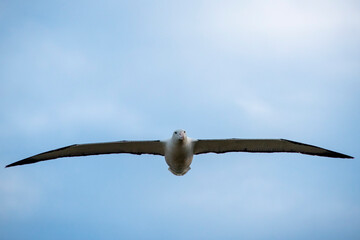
(261, 146)
(322, 151)
(131, 147)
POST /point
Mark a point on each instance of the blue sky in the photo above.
(95, 71)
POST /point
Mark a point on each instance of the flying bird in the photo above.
(179, 150)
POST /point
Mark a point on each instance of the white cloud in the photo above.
(256, 108)
(52, 56)
(19, 197)
(284, 27)
(79, 113)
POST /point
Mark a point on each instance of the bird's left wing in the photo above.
(261, 145)
(133, 147)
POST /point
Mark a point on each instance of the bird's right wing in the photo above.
(133, 147)
(261, 145)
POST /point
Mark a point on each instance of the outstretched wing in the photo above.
(133, 147)
(261, 145)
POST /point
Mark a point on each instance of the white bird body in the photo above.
(179, 150)
(179, 153)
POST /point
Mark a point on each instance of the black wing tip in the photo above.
(13, 164)
(22, 162)
(32, 159)
(10, 165)
(328, 153)
(340, 155)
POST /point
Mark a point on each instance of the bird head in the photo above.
(179, 135)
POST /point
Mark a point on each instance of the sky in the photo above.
(96, 71)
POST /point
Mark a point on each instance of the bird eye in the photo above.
(175, 132)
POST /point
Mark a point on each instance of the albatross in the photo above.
(180, 149)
